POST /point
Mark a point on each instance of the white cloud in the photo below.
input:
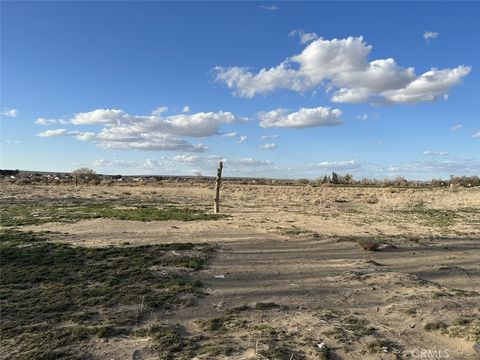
(12, 142)
(426, 169)
(249, 162)
(429, 35)
(342, 65)
(195, 162)
(159, 110)
(125, 140)
(197, 125)
(362, 117)
(230, 134)
(102, 163)
(130, 167)
(456, 127)
(100, 116)
(186, 109)
(10, 112)
(82, 136)
(186, 158)
(54, 133)
(45, 122)
(207, 164)
(122, 139)
(209, 160)
(146, 132)
(336, 165)
(435, 153)
(242, 139)
(268, 7)
(266, 137)
(305, 117)
(476, 135)
(151, 164)
(303, 36)
(270, 146)
(246, 84)
(85, 136)
(428, 86)
(454, 166)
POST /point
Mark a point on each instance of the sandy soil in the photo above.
(289, 245)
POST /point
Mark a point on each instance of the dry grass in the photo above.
(296, 273)
(369, 244)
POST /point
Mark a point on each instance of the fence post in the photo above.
(216, 202)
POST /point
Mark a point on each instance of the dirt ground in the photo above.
(295, 248)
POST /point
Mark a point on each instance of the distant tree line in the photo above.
(89, 176)
(347, 179)
(336, 179)
(9, 172)
(467, 181)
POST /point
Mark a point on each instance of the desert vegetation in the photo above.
(146, 270)
(89, 176)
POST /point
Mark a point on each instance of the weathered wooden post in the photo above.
(216, 201)
(76, 181)
(46, 180)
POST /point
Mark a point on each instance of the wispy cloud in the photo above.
(186, 164)
(266, 137)
(269, 7)
(55, 133)
(437, 166)
(45, 122)
(456, 127)
(11, 113)
(160, 110)
(213, 159)
(435, 153)
(429, 35)
(242, 139)
(476, 135)
(230, 134)
(102, 163)
(336, 165)
(270, 146)
(303, 36)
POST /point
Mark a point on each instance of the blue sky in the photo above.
(287, 89)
